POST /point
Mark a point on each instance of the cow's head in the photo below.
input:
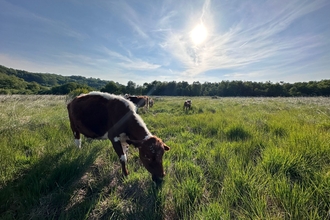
(151, 153)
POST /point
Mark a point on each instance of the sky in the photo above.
(169, 40)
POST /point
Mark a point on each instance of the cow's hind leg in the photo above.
(76, 133)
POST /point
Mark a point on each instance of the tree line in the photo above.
(22, 82)
(223, 88)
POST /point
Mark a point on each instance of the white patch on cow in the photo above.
(123, 158)
(78, 142)
(147, 137)
(122, 138)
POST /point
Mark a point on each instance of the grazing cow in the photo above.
(100, 115)
(139, 101)
(187, 105)
(151, 102)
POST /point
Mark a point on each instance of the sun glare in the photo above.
(198, 34)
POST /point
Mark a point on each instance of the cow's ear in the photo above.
(136, 143)
(166, 148)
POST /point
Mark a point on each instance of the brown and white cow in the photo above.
(187, 104)
(139, 101)
(151, 102)
(100, 115)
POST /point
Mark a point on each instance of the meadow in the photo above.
(230, 158)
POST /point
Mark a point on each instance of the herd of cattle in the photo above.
(99, 115)
(147, 102)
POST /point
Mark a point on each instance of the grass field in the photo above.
(230, 158)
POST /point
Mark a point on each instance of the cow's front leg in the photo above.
(121, 154)
(123, 138)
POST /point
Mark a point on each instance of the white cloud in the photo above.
(129, 63)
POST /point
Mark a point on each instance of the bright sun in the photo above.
(198, 34)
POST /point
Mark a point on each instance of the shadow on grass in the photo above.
(48, 178)
(147, 202)
(57, 188)
(237, 133)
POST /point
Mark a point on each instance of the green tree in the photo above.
(324, 87)
(111, 87)
(33, 86)
(67, 88)
(130, 88)
(196, 89)
(11, 82)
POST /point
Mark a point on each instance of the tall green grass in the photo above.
(230, 158)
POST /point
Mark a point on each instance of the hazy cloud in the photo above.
(248, 42)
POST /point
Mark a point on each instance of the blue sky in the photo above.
(169, 40)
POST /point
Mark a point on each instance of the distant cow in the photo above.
(99, 115)
(139, 101)
(151, 102)
(187, 105)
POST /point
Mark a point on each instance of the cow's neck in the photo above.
(139, 134)
(138, 130)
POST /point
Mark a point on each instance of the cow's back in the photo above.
(93, 115)
(139, 101)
